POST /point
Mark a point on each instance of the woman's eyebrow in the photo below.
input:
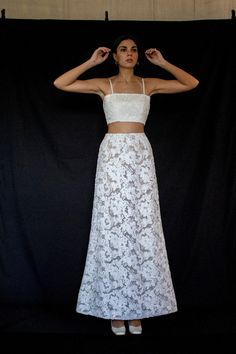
(125, 46)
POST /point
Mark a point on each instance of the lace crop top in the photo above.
(126, 107)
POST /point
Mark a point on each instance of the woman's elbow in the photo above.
(195, 83)
(56, 83)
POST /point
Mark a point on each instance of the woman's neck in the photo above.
(126, 76)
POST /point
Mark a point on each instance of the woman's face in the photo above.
(126, 54)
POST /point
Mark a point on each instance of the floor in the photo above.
(60, 330)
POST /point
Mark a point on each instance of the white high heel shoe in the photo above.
(118, 331)
(135, 329)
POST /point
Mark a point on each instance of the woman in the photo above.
(126, 275)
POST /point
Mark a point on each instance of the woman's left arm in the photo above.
(183, 80)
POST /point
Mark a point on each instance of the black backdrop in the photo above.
(49, 143)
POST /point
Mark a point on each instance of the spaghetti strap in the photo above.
(111, 85)
(143, 86)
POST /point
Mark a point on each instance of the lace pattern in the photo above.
(126, 107)
(126, 273)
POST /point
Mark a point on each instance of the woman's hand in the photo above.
(100, 55)
(155, 57)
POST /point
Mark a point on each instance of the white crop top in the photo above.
(126, 107)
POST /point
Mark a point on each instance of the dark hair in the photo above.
(122, 38)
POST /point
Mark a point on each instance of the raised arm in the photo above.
(69, 81)
(183, 80)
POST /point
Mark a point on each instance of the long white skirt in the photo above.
(127, 274)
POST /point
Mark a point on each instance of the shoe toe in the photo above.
(135, 329)
(118, 331)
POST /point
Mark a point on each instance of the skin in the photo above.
(126, 58)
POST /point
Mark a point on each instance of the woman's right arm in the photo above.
(69, 81)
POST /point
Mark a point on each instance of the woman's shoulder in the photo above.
(104, 84)
(151, 84)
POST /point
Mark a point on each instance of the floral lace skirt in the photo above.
(126, 273)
